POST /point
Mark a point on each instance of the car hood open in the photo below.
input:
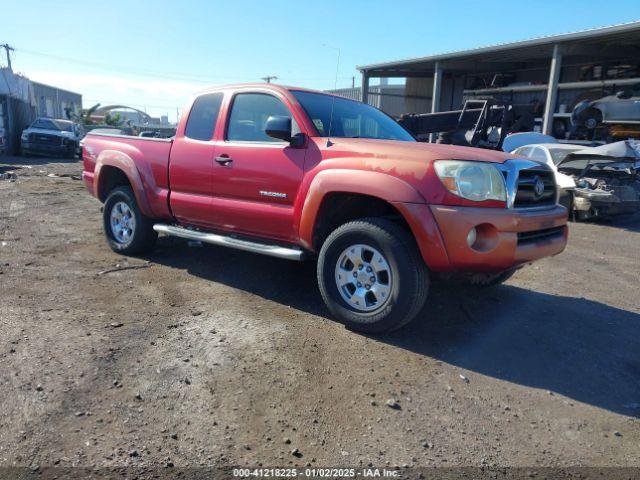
(627, 151)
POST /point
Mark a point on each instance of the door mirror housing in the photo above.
(279, 127)
(624, 94)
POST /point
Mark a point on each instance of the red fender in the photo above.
(113, 158)
(376, 184)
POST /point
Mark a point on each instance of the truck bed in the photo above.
(141, 157)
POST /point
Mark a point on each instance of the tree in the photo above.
(113, 120)
(85, 115)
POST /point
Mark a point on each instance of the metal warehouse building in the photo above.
(56, 102)
(550, 72)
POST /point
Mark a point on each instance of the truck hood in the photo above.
(408, 160)
(411, 162)
(57, 133)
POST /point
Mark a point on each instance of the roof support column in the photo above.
(552, 90)
(435, 97)
(365, 87)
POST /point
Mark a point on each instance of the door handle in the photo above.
(224, 160)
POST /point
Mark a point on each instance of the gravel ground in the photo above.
(204, 356)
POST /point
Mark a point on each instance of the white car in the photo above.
(551, 154)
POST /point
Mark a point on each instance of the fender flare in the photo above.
(385, 187)
(121, 161)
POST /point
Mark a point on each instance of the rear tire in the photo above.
(127, 229)
(386, 284)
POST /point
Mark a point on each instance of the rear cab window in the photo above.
(249, 114)
(203, 116)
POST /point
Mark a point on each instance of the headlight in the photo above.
(24, 136)
(477, 181)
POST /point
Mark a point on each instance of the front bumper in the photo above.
(507, 238)
(44, 149)
(592, 205)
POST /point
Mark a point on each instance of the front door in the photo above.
(256, 177)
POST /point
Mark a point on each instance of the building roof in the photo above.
(625, 34)
(53, 87)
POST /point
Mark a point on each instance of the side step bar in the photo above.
(215, 239)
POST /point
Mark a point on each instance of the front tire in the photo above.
(371, 275)
(127, 229)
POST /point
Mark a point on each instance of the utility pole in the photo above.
(268, 78)
(8, 49)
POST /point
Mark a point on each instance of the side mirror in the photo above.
(279, 127)
(624, 94)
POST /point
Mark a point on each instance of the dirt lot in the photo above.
(207, 356)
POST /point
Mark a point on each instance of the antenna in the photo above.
(333, 99)
(268, 78)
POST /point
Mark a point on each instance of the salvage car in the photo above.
(50, 136)
(620, 109)
(296, 174)
(607, 179)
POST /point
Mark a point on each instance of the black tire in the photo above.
(566, 200)
(408, 290)
(592, 118)
(143, 237)
(560, 128)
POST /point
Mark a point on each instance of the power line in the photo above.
(122, 69)
(205, 79)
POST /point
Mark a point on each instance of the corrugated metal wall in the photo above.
(392, 99)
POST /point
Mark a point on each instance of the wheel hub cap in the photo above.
(123, 222)
(363, 278)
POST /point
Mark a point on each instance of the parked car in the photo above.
(50, 136)
(623, 108)
(298, 174)
(607, 179)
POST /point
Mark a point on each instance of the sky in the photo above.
(155, 55)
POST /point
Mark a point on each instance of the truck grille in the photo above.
(528, 196)
(45, 139)
(538, 235)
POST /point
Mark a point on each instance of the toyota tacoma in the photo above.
(297, 174)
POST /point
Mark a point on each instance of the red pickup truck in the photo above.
(295, 173)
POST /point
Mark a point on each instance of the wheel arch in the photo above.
(114, 169)
(337, 196)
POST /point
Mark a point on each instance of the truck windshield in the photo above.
(49, 124)
(351, 119)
